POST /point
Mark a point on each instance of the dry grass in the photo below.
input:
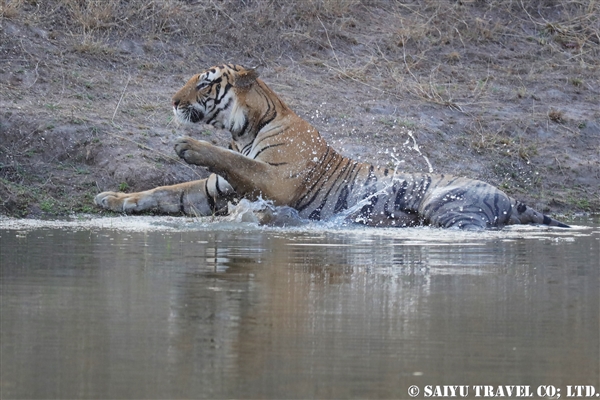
(491, 62)
(445, 53)
(556, 116)
(429, 31)
(10, 8)
(94, 14)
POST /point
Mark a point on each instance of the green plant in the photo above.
(52, 107)
(47, 205)
(577, 82)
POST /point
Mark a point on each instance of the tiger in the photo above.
(277, 156)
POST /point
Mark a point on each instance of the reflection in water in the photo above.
(245, 312)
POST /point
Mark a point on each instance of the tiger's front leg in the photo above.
(202, 197)
(246, 175)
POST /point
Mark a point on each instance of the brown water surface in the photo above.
(221, 311)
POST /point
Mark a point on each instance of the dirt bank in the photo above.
(507, 92)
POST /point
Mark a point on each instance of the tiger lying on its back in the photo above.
(279, 156)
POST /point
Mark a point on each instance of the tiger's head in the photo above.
(213, 97)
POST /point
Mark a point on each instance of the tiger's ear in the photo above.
(246, 78)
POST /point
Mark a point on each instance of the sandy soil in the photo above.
(507, 94)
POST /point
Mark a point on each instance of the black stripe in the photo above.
(418, 191)
(342, 201)
(270, 136)
(492, 211)
(218, 111)
(226, 90)
(367, 209)
(547, 220)
(501, 220)
(246, 149)
(371, 176)
(324, 179)
(386, 205)
(400, 201)
(334, 182)
(266, 118)
(315, 215)
(484, 196)
(445, 219)
(278, 126)
(425, 184)
(508, 213)
(219, 192)
(264, 122)
(349, 171)
(209, 199)
(268, 147)
(308, 179)
(242, 131)
(354, 171)
(181, 208)
(313, 198)
(433, 207)
(452, 219)
(349, 167)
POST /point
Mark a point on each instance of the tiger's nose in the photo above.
(175, 103)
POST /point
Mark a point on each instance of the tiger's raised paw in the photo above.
(192, 151)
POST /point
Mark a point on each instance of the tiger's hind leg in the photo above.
(479, 207)
(202, 197)
(462, 220)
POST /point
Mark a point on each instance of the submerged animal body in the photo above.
(276, 155)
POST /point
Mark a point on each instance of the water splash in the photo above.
(415, 147)
(346, 216)
(263, 212)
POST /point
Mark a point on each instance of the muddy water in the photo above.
(237, 311)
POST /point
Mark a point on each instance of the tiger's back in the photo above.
(381, 197)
